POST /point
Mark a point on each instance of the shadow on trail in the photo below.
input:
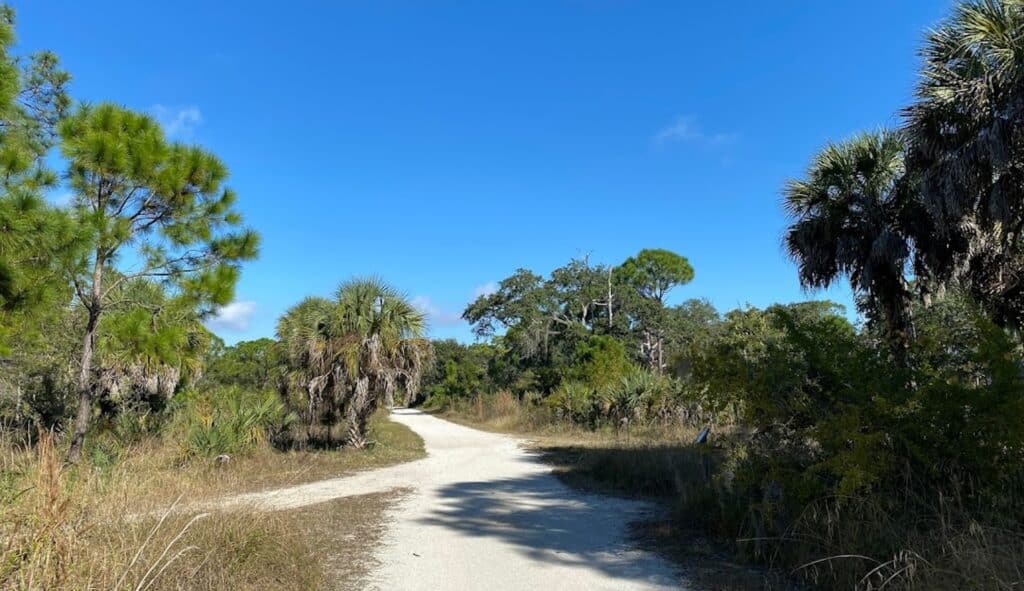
(549, 522)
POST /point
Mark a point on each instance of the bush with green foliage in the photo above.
(458, 371)
(230, 420)
(599, 361)
(638, 396)
(833, 422)
(574, 402)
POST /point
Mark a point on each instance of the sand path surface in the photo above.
(485, 513)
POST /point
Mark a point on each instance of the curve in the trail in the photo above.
(487, 514)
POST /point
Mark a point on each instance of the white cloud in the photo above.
(485, 290)
(685, 129)
(436, 314)
(178, 123)
(233, 317)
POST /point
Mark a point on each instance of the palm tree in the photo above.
(381, 349)
(303, 335)
(152, 342)
(357, 351)
(850, 218)
(964, 141)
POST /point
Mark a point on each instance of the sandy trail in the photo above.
(487, 514)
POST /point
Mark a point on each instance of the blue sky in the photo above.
(441, 145)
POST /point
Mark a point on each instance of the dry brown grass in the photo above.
(501, 413)
(72, 527)
(940, 546)
(504, 413)
(347, 530)
(167, 477)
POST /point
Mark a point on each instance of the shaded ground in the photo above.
(677, 476)
(485, 513)
(659, 464)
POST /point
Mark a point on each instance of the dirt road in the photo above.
(487, 514)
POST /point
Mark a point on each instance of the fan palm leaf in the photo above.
(848, 219)
(966, 143)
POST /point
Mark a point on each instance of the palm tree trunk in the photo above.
(900, 328)
(359, 410)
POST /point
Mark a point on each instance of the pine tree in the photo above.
(160, 205)
(33, 235)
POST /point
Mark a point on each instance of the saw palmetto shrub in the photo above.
(230, 420)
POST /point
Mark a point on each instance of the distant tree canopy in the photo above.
(655, 272)
(546, 323)
(253, 365)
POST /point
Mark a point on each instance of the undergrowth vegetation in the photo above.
(126, 521)
(231, 419)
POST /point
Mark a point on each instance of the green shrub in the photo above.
(847, 454)
(600, 361)
(637, 396)
(574, 402)
(231, 420)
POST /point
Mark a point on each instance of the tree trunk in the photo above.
(900, 328)
(84, 413)
(359, 409)
(610, 303)
(84, 389)
(389, 393)
(650, 351)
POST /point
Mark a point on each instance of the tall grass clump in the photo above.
(76, 528)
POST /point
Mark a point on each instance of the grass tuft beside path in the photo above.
(67, 527)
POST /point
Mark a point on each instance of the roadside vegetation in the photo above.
(127, 524)
(120, 412)
(883, 454)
